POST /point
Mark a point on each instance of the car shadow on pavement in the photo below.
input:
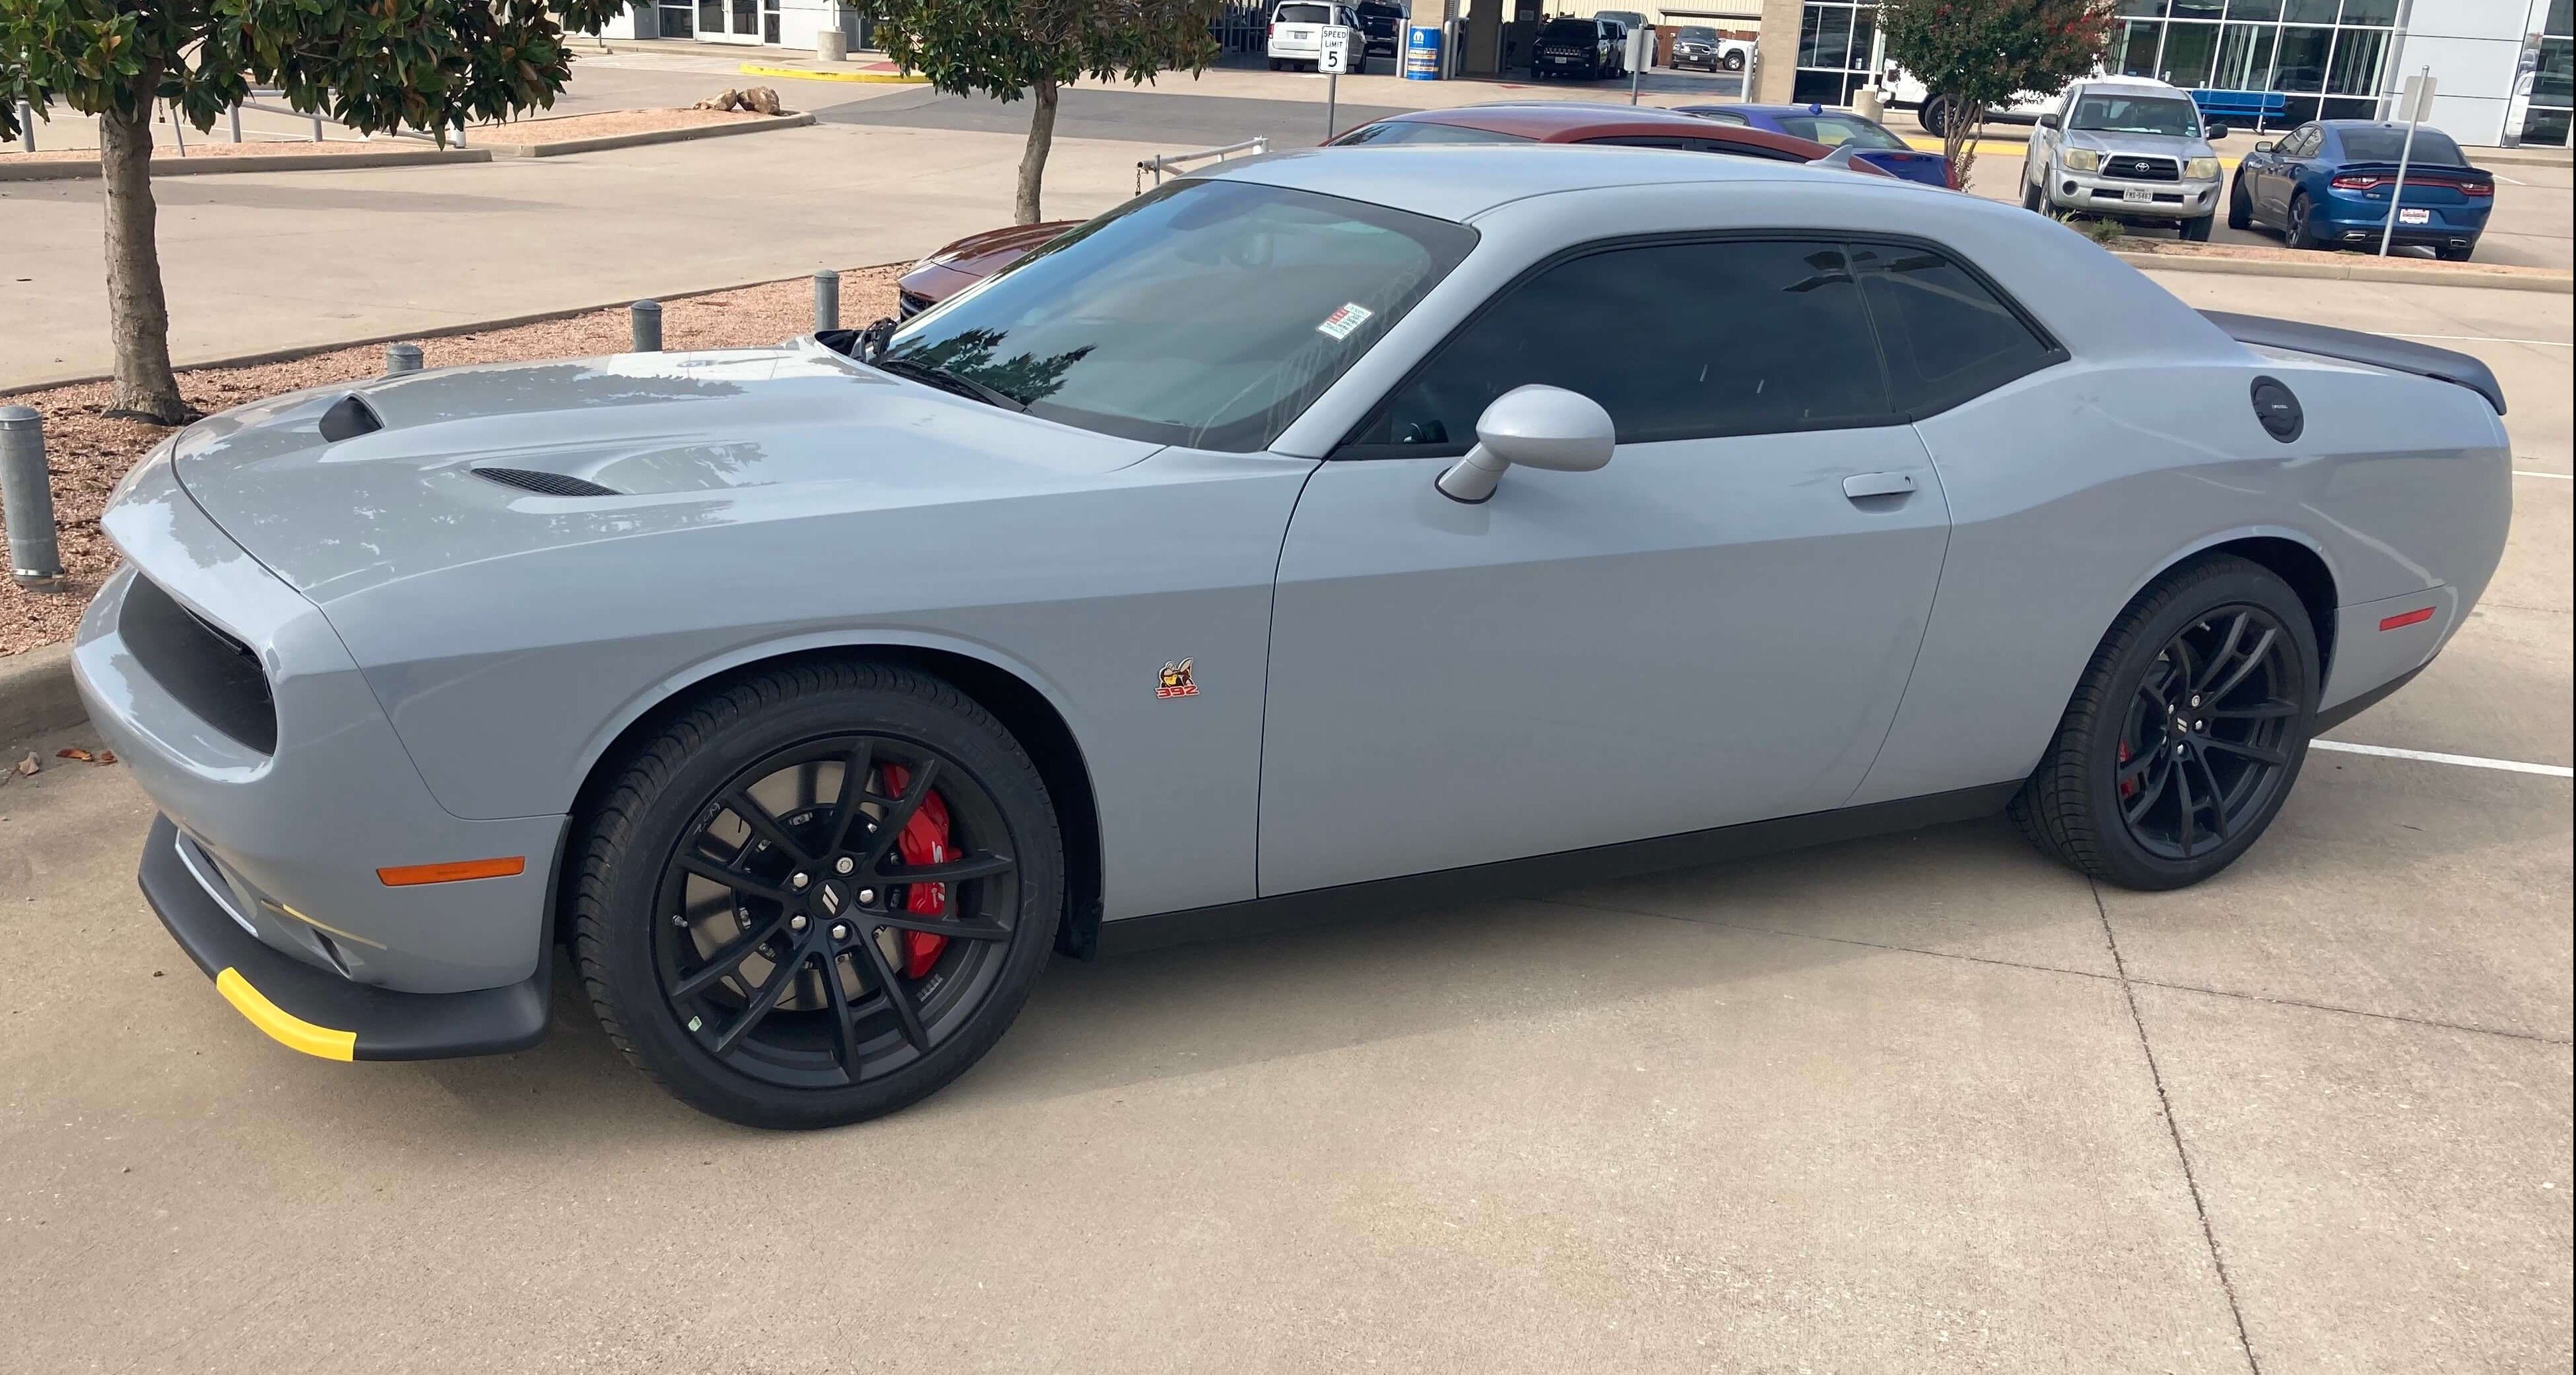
(1972, 891)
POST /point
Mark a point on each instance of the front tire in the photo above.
(2240, 207)
(2197, 231)
(1734, 62)
(1934, 116)
(2034, 196)
(752, 910)
(2185, 733)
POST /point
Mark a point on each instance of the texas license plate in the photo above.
(2135, 196)
(2414, 216)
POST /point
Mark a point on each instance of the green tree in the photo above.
(1009, 48)
(1973, 55)
(430, 65)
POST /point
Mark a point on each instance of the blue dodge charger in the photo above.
(2327, 184)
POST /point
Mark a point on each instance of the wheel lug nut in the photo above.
(797, 922)
(867, 895)
(840, 931)
(844, 865)
(797, 881)
(2195, 701)
(2180, 748)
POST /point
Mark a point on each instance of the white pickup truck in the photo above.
(1906, 93)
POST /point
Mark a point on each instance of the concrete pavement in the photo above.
(1922, 1103)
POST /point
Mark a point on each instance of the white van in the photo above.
(1297, 31)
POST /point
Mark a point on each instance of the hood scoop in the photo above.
(348, 418)
(546, 484)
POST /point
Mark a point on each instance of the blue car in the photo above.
(2326, 184)
(1848, 134)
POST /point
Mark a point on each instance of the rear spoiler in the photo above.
(2353, 346)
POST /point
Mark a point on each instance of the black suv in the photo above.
(1382, 28)
(1580, 49)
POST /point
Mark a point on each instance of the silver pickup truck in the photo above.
(2128, 149)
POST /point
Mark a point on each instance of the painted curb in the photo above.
(2362, 270)
(37, 696)
(639, 139)
(801, 74)
(305, 162)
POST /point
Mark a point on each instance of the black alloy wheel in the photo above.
(2295, 231)
(2185, 733)
(2204, 746)
(816, 894)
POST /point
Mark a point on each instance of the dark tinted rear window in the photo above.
(1303, 14)
(1947, 336)
(1424, 131)
(2382, 145)
(1834, 131)
(1676, 341)
(1569, 31)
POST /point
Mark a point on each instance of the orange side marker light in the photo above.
(454, 871)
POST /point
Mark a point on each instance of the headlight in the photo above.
(2200, 169)
(2083, 160)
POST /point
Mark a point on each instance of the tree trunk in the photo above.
(138, 317)
(1033, 161)
(1959, 139)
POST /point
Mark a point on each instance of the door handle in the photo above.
(1861, 485)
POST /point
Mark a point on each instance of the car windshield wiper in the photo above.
(948, 381)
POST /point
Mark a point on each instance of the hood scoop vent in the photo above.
(546, 484)
(348, 418)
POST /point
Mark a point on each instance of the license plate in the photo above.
(2405, 216)
(2134, 196)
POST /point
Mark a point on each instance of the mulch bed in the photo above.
(86, 452)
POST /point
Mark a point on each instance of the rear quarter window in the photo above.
(1947, 335)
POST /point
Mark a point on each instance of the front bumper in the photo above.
(317, 1013)
(2119, 198)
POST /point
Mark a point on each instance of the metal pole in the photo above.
(401, 358)
(178, 129)
(317, 128)
(27, 501)
(236, 122)
(2405, 153)
(26, 127)
(646, 317)
(827, 300)
(1332, 95)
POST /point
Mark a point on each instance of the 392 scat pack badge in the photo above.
(1177, 681)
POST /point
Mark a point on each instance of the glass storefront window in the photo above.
(2551, 77)
(2311, 11)
(2302, 64)
(2188, 50)
(2355, 69)
(2244, 58)
(1835, 45)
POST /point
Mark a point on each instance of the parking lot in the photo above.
(1917, 1103)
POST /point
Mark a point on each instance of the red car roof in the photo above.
(1578, 123)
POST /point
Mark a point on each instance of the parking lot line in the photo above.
(2464, 760)
(2491, 339)
(2554, 477)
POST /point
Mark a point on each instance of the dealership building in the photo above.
(2501, 68)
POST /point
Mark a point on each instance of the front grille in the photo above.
(547, 484)
(2134, 168)
(908, 304)
(207, 671)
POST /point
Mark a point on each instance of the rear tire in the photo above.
(763, 992)
(2296, 230)
(1935, 116)
(1733, 62)
(2240, 207)
(2185, 732)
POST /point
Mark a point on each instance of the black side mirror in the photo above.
(2048, 121)
(2264, 146)
(2215, 132)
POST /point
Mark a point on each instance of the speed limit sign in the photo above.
(1335, 58)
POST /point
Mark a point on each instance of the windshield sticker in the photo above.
(1340, 323)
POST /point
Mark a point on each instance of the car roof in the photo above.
(2137, 85)
(1575, 121)
(1775, 111)
(1460, 181)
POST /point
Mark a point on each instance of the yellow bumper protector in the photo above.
(282, 1026)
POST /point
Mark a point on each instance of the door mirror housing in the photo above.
(2048, 121)
(2214, 132)
(1536, 427)
(2263, 146)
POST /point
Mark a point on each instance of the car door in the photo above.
(2280, 170)
(1715, 628)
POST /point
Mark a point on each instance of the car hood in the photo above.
(675, 439)
(2142, 145)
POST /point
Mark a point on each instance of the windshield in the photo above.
(1834, 131)
(1204, 313)
(1424, 131)
(1695, 35)
(1570, 31)
(2432, 146)
(2129, 114)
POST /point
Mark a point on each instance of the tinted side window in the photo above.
(1676, 341)
(1692, 145)
(1947, 337)
(1423, 131)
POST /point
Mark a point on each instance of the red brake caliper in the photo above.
(2129, 788)
(924, 841)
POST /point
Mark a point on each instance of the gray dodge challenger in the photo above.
(1338, 531)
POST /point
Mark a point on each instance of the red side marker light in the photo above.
(453, 871)
(2406, 618)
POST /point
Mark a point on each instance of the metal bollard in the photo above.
(26, 127)
(27, 501)
(400, 358)
(827, 300)
(646, 317)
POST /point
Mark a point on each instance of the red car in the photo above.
(972, 259)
